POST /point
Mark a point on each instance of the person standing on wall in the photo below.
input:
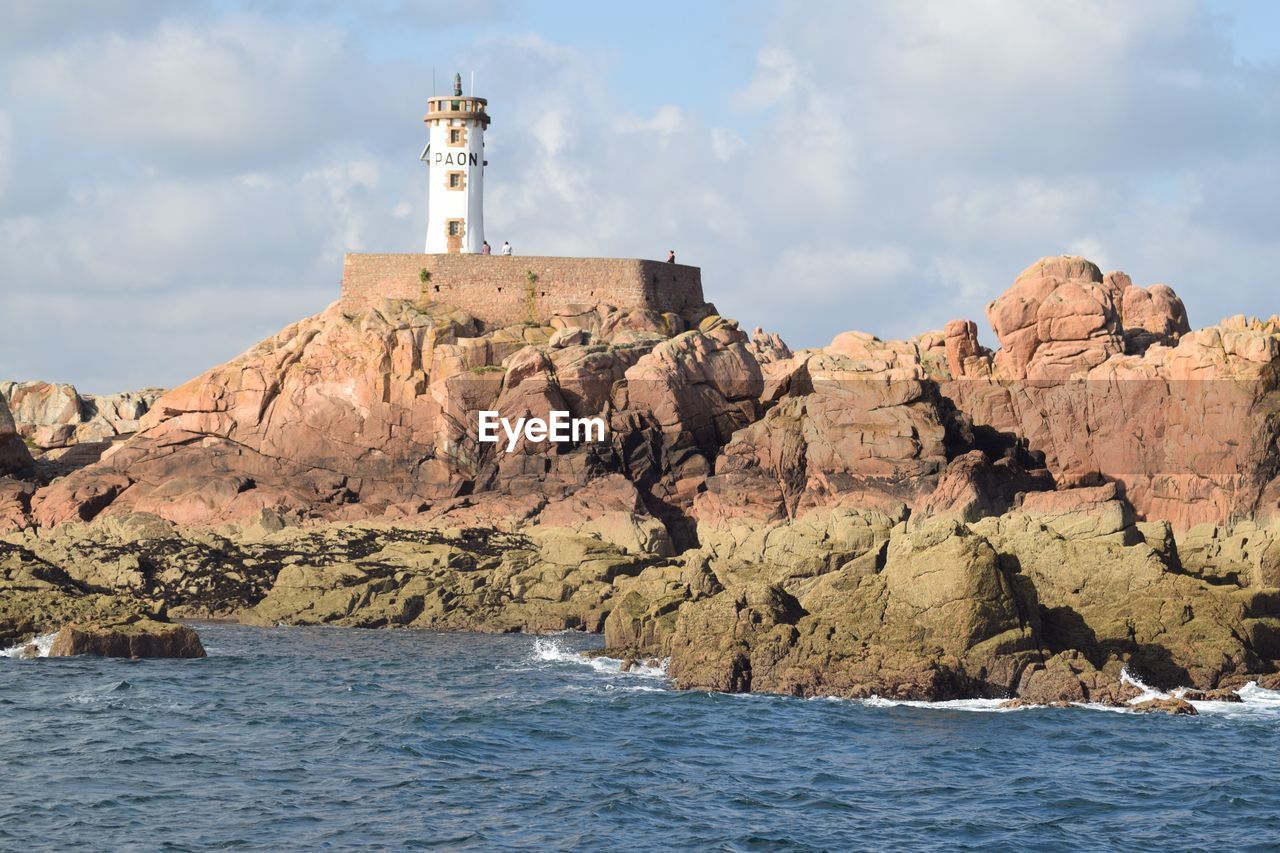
(506, 247)
(671, 256)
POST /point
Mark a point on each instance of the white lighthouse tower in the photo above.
(455, 153)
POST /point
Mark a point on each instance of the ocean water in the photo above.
(330, 738)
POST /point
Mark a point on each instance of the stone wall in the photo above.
(499, 290)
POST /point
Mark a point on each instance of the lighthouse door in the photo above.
(453, 236)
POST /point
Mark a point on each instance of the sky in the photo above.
(181, 180)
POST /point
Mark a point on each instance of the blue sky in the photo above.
(178, 181)
(1253, 27)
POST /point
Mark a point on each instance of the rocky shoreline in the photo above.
(921, 519)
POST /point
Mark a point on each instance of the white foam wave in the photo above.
(983, 705)
(43, 644)
(1251, 692)
(551, 650)
(1255, 701)
(1148, 692)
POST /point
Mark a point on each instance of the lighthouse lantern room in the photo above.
(455, 155)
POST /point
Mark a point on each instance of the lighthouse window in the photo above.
(455, 228)
(454, 105)
(456, 181)
(455, 135)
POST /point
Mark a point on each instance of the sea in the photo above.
(326, 738)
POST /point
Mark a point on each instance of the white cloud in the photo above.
(725, 144)
(664, 121)
(6, 152)
(241, 88)
(821, 273)
(776, 76)
(1091, 248)
(35, 23)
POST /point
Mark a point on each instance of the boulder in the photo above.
(1171, 705)
(15, 504)
(1152, 315)
(1083, 513)
(140, 638)
(1055, 319)
(965, 356)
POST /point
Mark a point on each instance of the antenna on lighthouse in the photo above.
(433, 81)
(473, 82)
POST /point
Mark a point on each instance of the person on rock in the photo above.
(485, 250)
(671, 256)
(506, 247)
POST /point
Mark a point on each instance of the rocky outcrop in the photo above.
(942, 619)
(52, 415)
(14, 456)
(1062, 317)
(862, 425)
(1245, 553)
(1109, 592)
(859, 426)
(921, 519)
(1056, 319)
(1070, 677)
(38, 597)
(374, 413)
(1106, 380)
(365, 575)
(476, 581)
(132, 638)
(1050, 602)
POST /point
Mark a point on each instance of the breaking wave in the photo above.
(552, 650)
(42, 643)
(1255, 701)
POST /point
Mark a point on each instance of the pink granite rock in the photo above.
(350, 415)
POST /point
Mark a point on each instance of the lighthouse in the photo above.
(455, 155)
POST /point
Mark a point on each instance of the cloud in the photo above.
(664, 121)
(979, 136)
(242, 90)
(6, 152)
(28, 24)
(725, 144)
(776, 76)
